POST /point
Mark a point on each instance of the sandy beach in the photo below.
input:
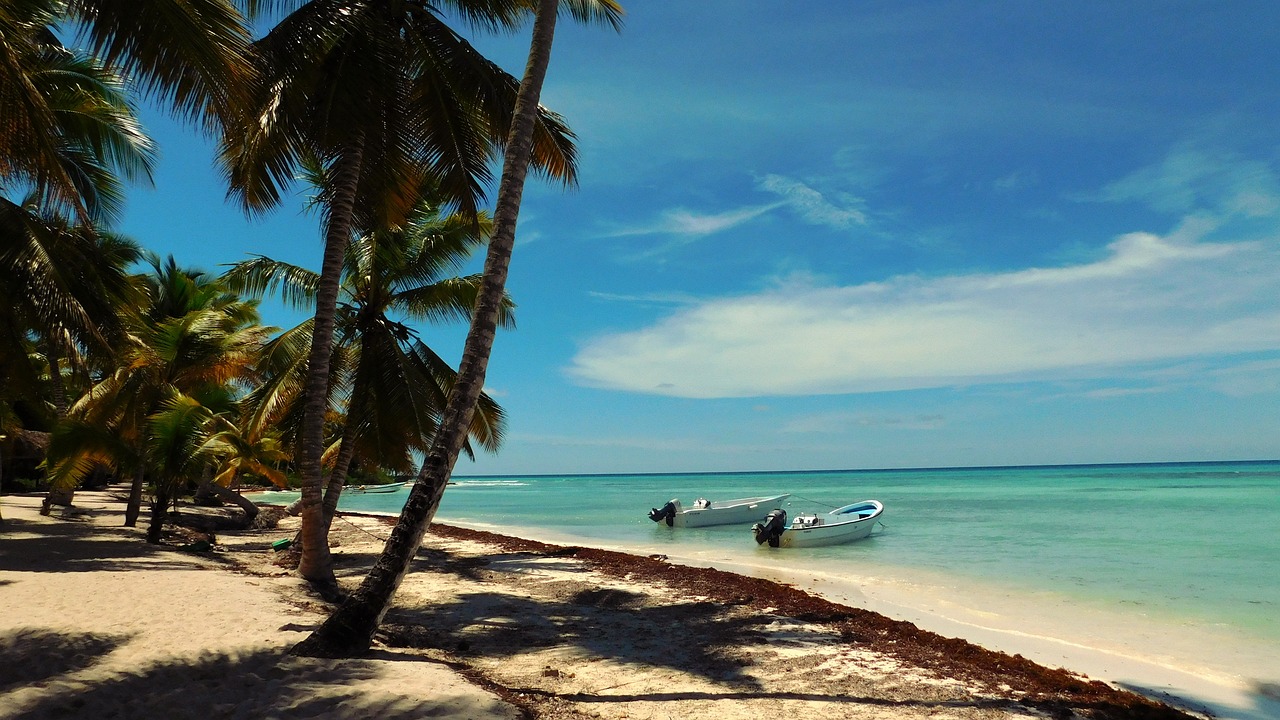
(99, 624)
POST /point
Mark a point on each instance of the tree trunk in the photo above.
(226, 494)
(159, 510)
(64, 495)
(134, 508)
(316, 565)
(349, 631)
(346, 451)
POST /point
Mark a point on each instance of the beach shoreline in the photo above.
(1147, 669)
(529, 629)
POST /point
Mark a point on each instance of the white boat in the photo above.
(719, 512)
(392, 487)
(842, 525)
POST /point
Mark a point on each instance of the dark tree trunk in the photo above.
(226, 494)
(316, 565)
(134, 508)
(159, 511)
(61, 495)
(349, 631)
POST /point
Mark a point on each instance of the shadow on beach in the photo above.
(695, 638)
(70, 547)
(32, 655)
(689, 634)
(258, 684)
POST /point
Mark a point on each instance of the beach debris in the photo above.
(199, 546)
(281, 544)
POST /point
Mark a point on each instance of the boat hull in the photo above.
(393, 487)
(740, 511)
(833, 530)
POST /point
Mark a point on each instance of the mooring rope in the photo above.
(815, 502)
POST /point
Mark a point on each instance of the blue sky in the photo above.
(814, 235)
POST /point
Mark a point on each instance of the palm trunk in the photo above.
(316, 565)
(134, 508)
(226, 494)
(159, 510)
(346, 452)
(349, 631)
(62, 495)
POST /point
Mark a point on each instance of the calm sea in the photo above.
(1189, 548)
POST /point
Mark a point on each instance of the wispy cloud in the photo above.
(654, 298)
(686, 223)
(1196, 179)
(1150, 299)
(812, 206)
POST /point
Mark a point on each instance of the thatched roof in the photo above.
(32, 440)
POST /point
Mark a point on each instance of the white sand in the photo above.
(98, 624)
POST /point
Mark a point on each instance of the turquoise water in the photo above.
(1187, 542)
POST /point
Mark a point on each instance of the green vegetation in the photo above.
(167, 378)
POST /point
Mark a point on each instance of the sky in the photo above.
(813, 235)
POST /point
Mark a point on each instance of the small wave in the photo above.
(488, 483)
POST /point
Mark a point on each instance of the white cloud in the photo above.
(1150, 299)
(1193, 179)
(654, 298)
(811, 205)
(690, 224)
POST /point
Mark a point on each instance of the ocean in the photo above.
(1177, 565)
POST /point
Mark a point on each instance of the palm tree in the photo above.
(388, 97)
(188, 52)
(189, 349)
(64, 279)
(65, 285)
(234, 451)
(350, 629)
(395, 383)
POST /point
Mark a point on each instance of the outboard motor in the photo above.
(667, 513)
(771, 528)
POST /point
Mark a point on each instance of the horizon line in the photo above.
(867, 470)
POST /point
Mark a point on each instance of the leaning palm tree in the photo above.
(234, 451)
(388, 97)
(394, 383)
(350, 629)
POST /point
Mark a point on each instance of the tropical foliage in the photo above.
(394, 384)
(167, 377)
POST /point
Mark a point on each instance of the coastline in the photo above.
(580, 631)
(1083, 640)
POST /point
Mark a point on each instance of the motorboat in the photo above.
(718, 512)
(842, 525)
(389, 488)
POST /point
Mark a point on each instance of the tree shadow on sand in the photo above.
(49, 552)
(30, 655)
(265, 683)
(500, 624)
(712, 640)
